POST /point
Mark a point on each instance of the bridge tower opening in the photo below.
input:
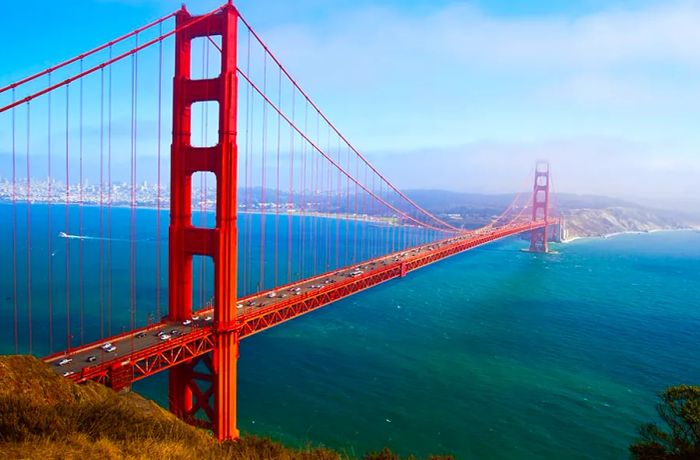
(202, 391)
(540, 207)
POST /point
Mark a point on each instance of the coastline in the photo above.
(628, 232)
(352, 217)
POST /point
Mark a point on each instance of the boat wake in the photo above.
(84, 237)
(76, 237)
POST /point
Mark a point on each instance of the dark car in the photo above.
(91, 359)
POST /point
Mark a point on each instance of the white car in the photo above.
(67, 373)
(186, 322)
(239, 306)
(208, 318)
(110, 349)
(107, 345)
(195, 318)
(272, 295)
(64, 361)
(165, 336)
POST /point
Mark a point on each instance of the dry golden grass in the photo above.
(46, 416)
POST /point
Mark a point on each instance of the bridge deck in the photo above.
(142, 352)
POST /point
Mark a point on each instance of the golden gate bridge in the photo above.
(246, 146)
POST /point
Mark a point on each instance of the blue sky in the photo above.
(462, 95)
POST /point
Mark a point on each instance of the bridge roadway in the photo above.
(143, 352)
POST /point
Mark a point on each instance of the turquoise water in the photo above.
(494, 353)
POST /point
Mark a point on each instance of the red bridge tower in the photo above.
(540, 207)
(203, 391)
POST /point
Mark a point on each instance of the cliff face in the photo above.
(588, 222)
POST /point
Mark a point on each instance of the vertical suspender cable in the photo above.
(66, 223)
(327, 210)
(246, 232)
(347, 212)
(290, 197)
(29, 232)
(263, 147)
(251, 158)
(49, 252)
(102, 157)
(355, 212)
(132, 208)
(109, 200)
(372, 216)
(158, 159)
(302, 226)
(316, 198)
(365, 214)
(314, 201)
(80, 212)
(338, 191)
(387, 224)
(277, 170)
(14, 228)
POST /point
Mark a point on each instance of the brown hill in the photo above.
(43, 415)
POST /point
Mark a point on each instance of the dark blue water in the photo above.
(495, 353)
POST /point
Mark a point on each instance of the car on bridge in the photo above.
(65, 361)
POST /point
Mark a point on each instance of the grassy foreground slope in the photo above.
(43, 415)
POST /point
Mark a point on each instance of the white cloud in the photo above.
(371, 40)
(467, 101)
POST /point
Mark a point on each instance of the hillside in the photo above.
(603, 222)
(584, 215)
(46, 416)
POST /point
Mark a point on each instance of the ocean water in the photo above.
(92, 275)
(494, 353)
